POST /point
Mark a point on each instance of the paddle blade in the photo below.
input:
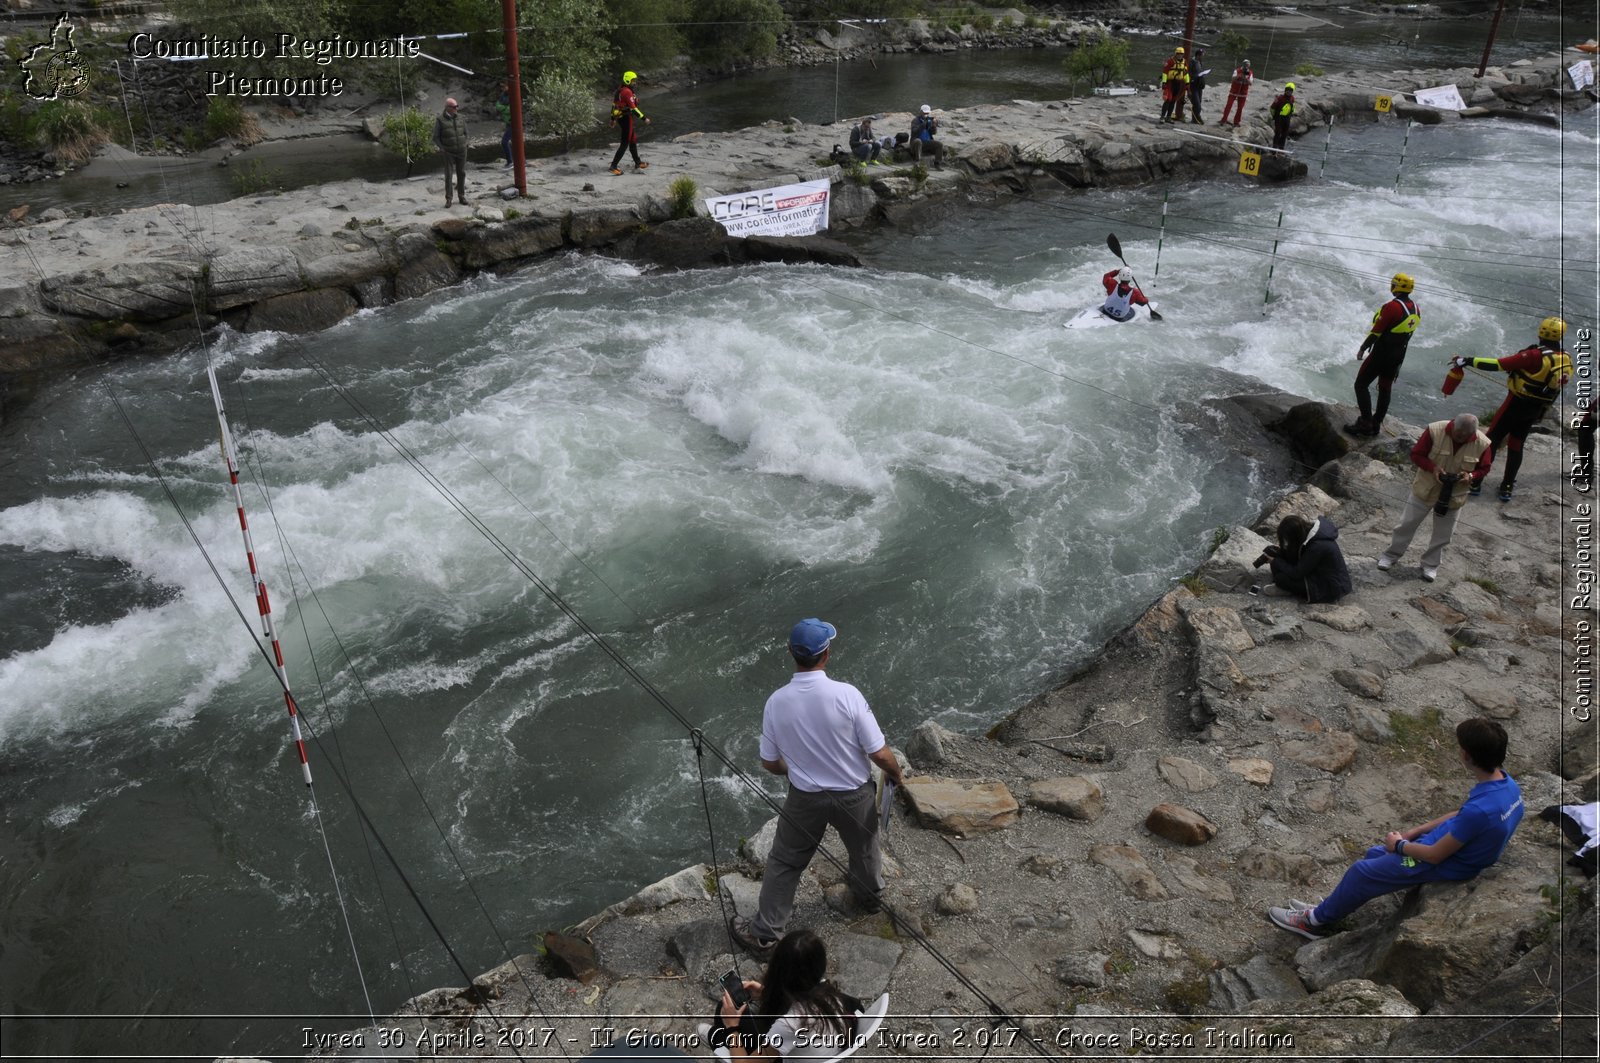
(1153, 315)
(1115, 245)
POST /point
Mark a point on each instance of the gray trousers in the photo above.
(1410, 520)
(854, 814)
(457, 165)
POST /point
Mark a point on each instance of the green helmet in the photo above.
(629, 77)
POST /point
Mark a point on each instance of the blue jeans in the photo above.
(1377, 873)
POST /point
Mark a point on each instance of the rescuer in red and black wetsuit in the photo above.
(1392, 327)
(624, 112)
(1534, 377)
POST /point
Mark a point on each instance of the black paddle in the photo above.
(1116, 249)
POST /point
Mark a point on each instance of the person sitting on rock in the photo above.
(1452, 848)
(797, 1011)
(863, 145)
(924, 128)
(1307, 562)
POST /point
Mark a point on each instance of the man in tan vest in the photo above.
(1451, 457)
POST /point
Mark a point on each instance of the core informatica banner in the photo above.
(788, 210)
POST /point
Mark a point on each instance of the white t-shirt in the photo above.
(799, 1036)
(823, 730)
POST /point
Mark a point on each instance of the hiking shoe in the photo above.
(1296, 921)
(745, 935)
(1385, 564)
(1476, 489)
(1360, 427)
(641, 166)
(614, 172)
(1430, 574)
(867, 905)
(1505, 492)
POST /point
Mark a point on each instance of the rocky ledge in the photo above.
(1101, 861)
(82, 289)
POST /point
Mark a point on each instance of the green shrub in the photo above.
(409, 134)
(254, 177)
(1098, 58)
(71, 129)
(682, 193)
(1233, 44)
(226, 117)
(562, 105)
(983, 22)
(1309, 70)
(857, 172)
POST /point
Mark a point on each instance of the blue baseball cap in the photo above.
(811, 636)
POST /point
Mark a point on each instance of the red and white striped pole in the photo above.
(269, 630)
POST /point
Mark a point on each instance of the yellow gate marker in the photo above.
(1249, 163)
(1383, 104)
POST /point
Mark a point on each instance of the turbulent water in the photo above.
(916, 451)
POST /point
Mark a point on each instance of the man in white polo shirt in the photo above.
(821, 734)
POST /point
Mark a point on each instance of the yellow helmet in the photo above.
(1289, 87)
(1402, 284)
(629, 77)
(1178, 50)
(1552, 328)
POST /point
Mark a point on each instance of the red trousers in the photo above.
(1235, 99)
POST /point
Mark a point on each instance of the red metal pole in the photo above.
(519, 157)
(1188, 30)
(1493, 26)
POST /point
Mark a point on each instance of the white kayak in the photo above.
(1093, 318)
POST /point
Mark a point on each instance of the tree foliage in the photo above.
(724, 32)
(1098, 58)
(563, 106)
(409, 134)
(646, 33)
(262, 20)
(570, 36)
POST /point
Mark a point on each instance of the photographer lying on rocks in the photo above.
(1307, 562)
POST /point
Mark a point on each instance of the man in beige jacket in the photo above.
(1451, 456)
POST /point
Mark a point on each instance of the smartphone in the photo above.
(735, 987)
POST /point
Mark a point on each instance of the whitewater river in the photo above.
(915, 450)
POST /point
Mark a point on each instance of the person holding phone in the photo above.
(799, 1014)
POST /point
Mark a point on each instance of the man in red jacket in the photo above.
(1121, 295)
(1238, 89)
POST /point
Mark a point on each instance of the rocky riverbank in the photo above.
(1100, 863)
(81, 289)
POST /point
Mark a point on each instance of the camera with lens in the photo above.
(1447, 485)
(1266, 555)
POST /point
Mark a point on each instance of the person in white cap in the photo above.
(924, 128)
(821, 735)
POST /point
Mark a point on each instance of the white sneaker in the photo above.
(1430, 574)
(1384, 564)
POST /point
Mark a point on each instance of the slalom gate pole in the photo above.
(1267, 297)
(1327, 145)
(1162, 235)
(1403, 144)
(269, 629)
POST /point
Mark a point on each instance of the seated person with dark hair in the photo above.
(797, 1012)
(1452, 848)
(1307, 562)
(863, 145)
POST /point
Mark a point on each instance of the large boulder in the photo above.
(1074, 796)
(300, 312)
(964, 808)
(239, 278)
(1229, 566)
(511, 241)
(140, 291)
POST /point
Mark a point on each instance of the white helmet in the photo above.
(1124, 276)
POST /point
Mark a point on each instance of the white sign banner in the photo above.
(1445, 97)
(1581, 73)
(788, 210)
